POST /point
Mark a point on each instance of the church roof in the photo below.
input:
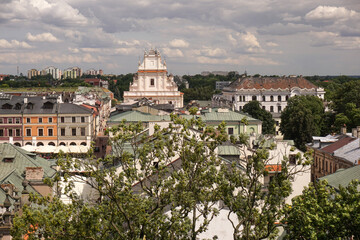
(270, 83)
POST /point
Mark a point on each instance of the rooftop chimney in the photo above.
(343, 130)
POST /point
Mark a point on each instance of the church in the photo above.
(152, 82)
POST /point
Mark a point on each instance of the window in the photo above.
(292, 159)
(62, 119)
(152, 82)
(82, 131)
(254, 98)
(271, 108)
(263, 107)
(287, 97)
(73, 119)
(28, 132)
(50, 132)
(17, 120)
(82, 119)
(230, 131)
(326, 164)
(279, 108)
(271, 98)
(1, 120)
(40, 132)
(40, 120)
(50, 120)
(263, 98)
(10, 120)
(240, 98)
(1, 132)
(10, 132)
(28, 120)
(277, 123)
(17, 131)
(62, 131)
(73, 131)
(279, 98)
(240, 108)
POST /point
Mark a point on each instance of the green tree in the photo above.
(254, 110)
(256, 207)
(160, 189)
(323, 213)
(302, 119)
(164, 186)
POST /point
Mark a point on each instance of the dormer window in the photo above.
(48, 105)
(30, 106)
(17, 106)
(6, 106)
(8, 159)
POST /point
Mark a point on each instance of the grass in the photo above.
(40, 89)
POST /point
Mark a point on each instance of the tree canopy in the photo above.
(165, 186)
(323, 213)
(254, 110)
(302, 119)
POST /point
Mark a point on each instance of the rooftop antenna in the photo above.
(17, 70)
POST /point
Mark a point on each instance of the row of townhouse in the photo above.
(42, 121)
(331, 153)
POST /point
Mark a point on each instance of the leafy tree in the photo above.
(323, 213)
(257, 208)
(302, 119)
(254, 110)
(164, 186)
(161, 188)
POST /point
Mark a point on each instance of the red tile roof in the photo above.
(338, 144)
(273, 167)
(271, 83)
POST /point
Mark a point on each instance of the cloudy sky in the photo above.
(305, 37)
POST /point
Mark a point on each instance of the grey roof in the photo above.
(73, 108)
(38, 105)
(350, 151)
(343, 177)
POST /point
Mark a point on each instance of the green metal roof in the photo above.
(213, 116)
(136, 116)
(343, 177)
(228, 150)
(21, 160)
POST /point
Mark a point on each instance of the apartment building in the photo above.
(44, 121)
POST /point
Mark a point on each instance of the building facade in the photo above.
(44, 121)
(152, 82)
(73, 72)
(53, 71)
(271, 92)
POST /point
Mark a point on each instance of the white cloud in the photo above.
(179, 43)
(129, 43)
(126, 51)
(211, 52)
(246, 40)
(250, 40)
(335, 40)
(43, 37)
(169, 52)
(330, 13)
(13, 44)
(272, 44)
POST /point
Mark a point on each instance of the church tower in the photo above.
(152, 82)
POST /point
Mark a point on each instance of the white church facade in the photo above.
(153, 82)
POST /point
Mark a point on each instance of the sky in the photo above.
(282, 37)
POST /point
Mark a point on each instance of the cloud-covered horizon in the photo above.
(267, 37)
